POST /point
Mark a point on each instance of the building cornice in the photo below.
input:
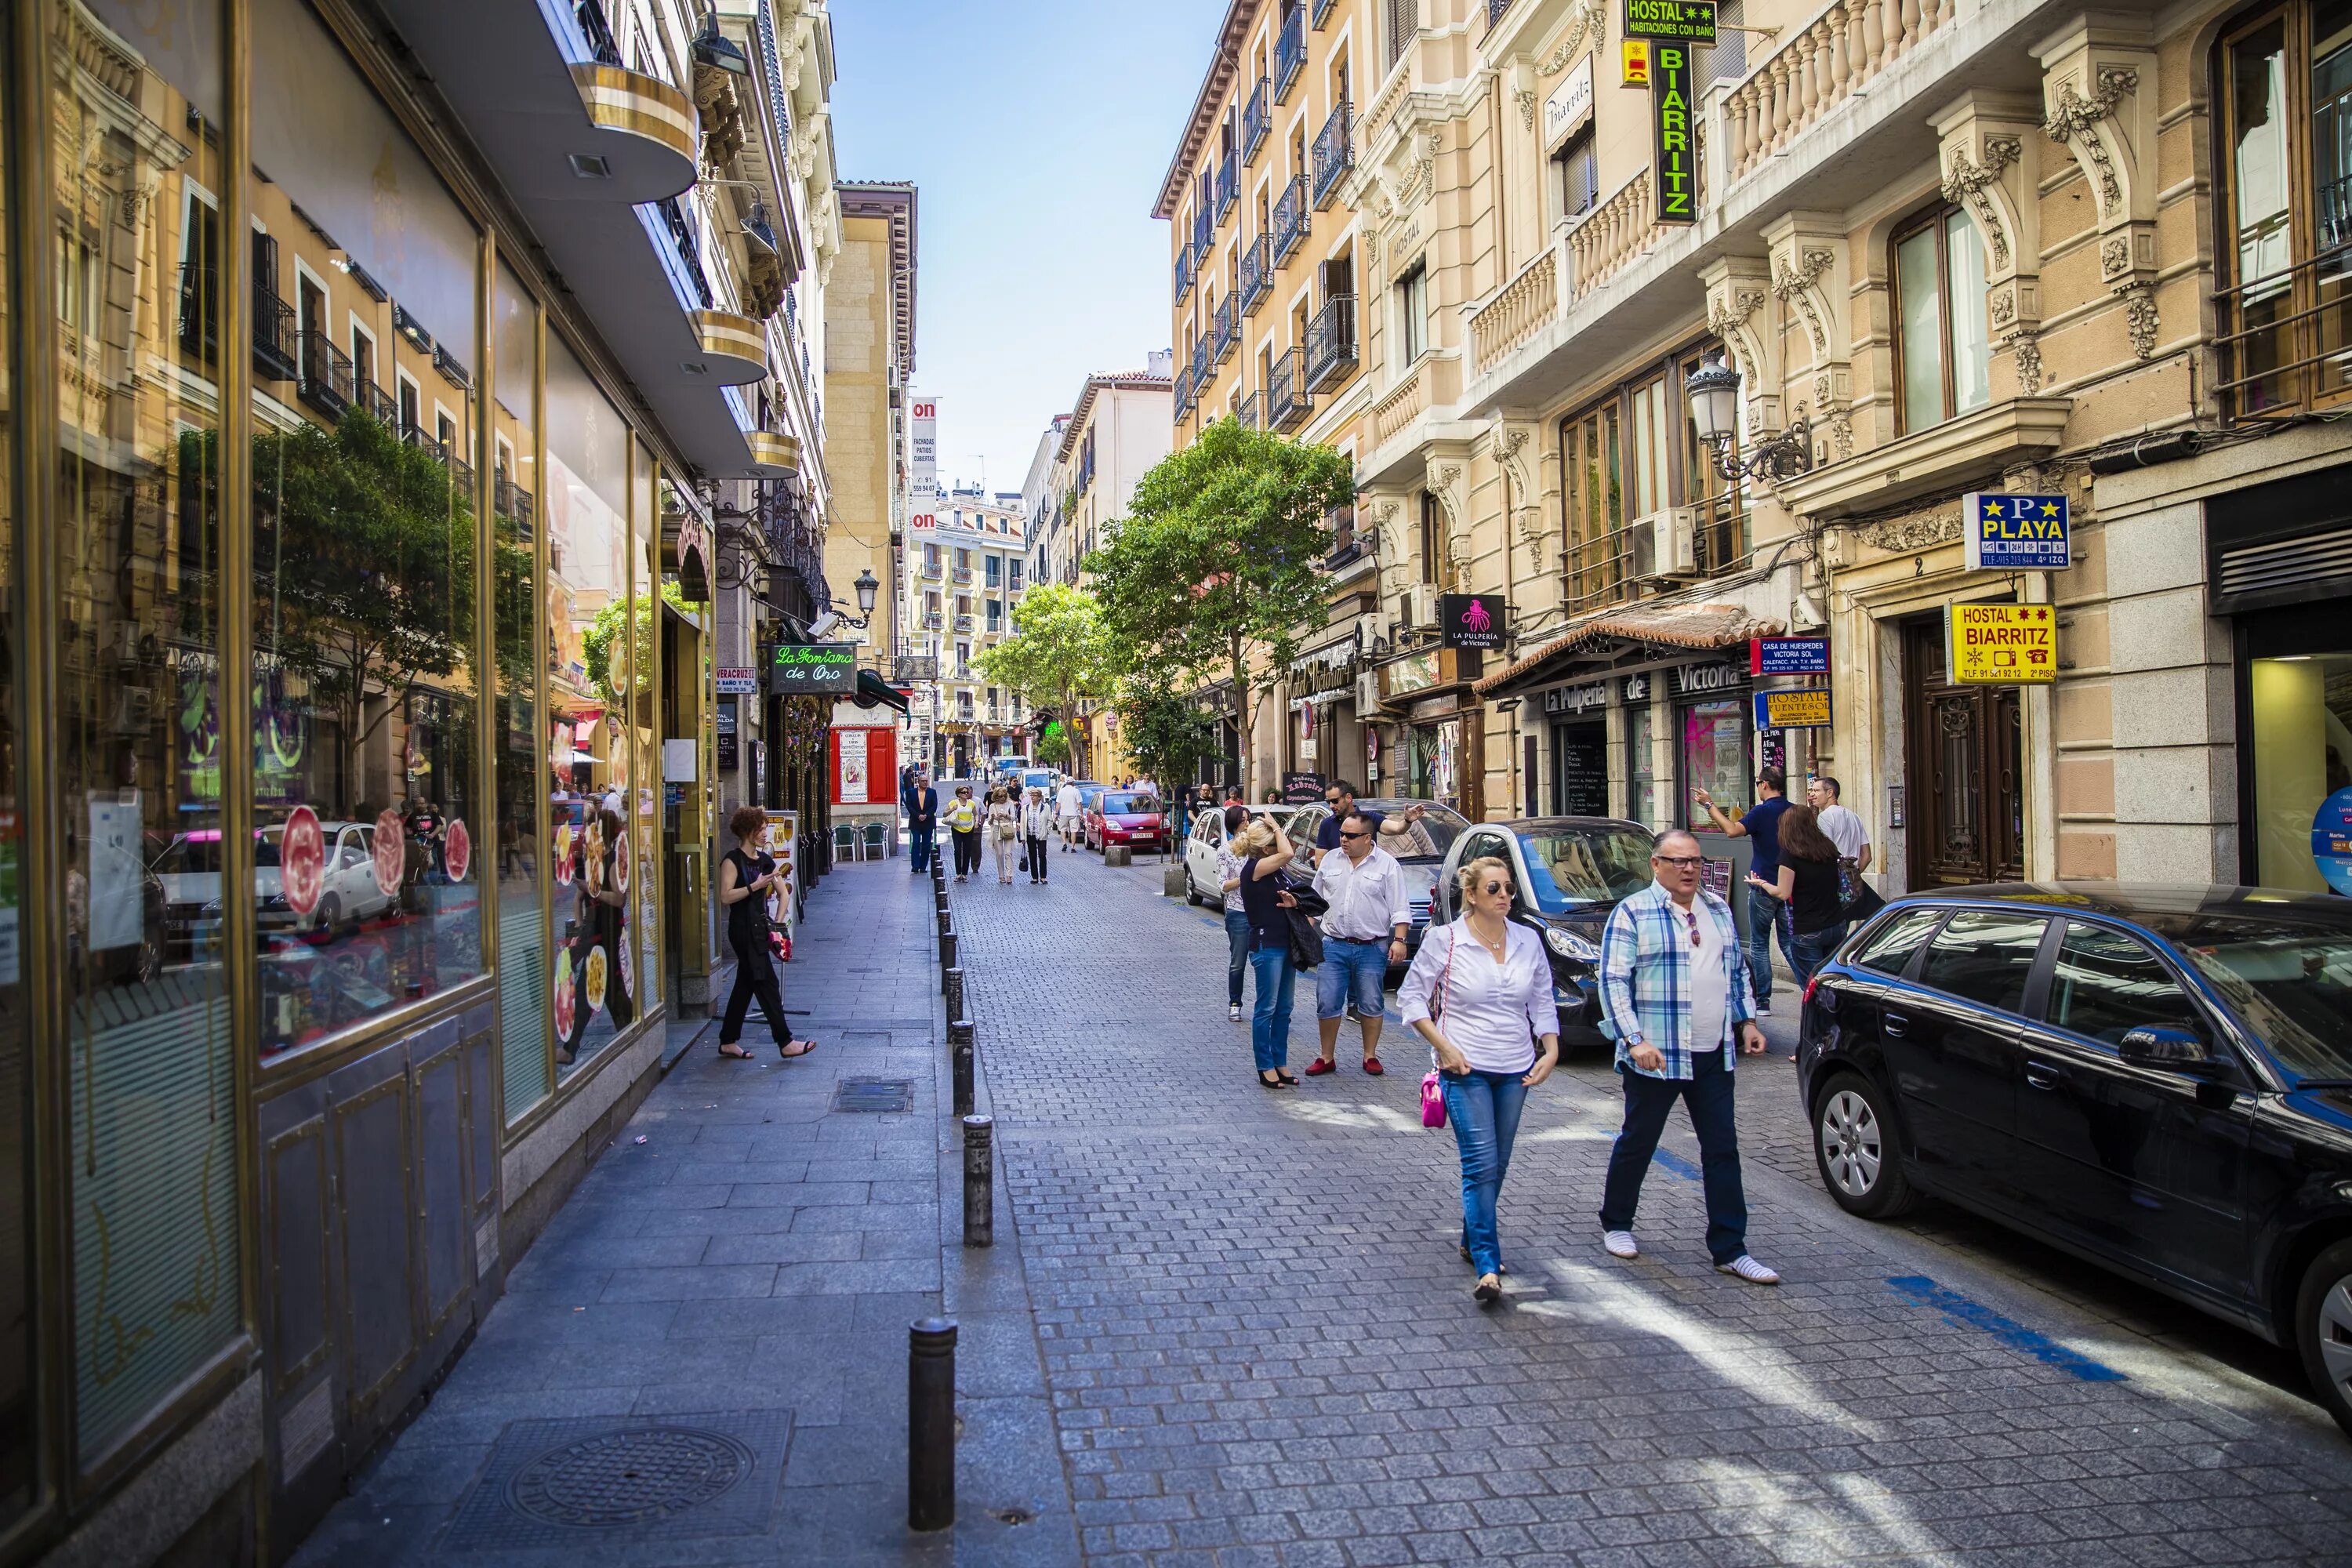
(1224, 64)
(895, 202)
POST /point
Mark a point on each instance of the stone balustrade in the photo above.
(1819, 66)
(1619, 229)
(1524, 305)
(1407, 402)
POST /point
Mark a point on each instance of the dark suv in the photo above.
(2156, 1078)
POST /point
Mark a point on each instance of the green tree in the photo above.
(1216, 559)
(1060, 654)
(1168, 735)
(597, 644)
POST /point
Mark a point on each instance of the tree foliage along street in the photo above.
(1060, 653)
(1218, 553)
(1168, 735)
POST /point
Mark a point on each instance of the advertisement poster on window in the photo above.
(115, 872)
(784, 843)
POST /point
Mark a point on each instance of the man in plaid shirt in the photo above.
(1675, 996)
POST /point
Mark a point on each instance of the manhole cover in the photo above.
(629, 1476)
(876, 1094)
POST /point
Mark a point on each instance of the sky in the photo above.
(1038, 132)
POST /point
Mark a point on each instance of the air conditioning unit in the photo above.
(1367, 632)
(1664, 543)
(1367, 693)
(1421, 606)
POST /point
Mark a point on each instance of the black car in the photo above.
(1566, 874)
(2156, 1079)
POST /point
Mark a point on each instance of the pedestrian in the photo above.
(922, 823)
(1765, 914)
(746, 877)
(1037, 824)
(1066, 805)
(1179, 819)
(1841, 825)
(964, 828)
(1237, 925)
(1809, 885)
(1675, 996)
(1340, 797)
(1480, 993)
(1266, 851)
(1363, 934)
(1003, 829)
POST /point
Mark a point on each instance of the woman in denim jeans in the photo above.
(1266, 851)
(1237, 928)
(1480, 993)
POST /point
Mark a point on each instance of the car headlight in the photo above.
(1568, 944)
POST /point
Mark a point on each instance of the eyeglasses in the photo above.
(1680, 862)
(1345, 834)
(1496, 888)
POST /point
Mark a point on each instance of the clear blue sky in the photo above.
(1038, 132)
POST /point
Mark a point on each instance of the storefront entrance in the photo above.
(1962, 747)
(1579, 769)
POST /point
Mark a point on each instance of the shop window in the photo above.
(1642, 803)
(644, 705)
(1578, 169)
(1592, 458)
(2284, 82)
(1943, 353)
(2301, 719)
(1714, 744)
(526, 1041)
(137, 744)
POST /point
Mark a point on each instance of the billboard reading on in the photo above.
(922, 451)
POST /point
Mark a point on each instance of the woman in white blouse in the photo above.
(1480, 993)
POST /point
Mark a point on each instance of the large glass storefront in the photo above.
(19, 1464)
(2300, 706)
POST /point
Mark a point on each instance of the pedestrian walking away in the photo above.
(1839, 824)
(1810, 884)
(746, 877)
(1266, 850)
(1036, 826)
(922, 823)
(1363, 934)
(1066, 805)
(1003, 832)
(964, 828)
(1767, 914)
(1675, 997)
(1480, 993)
(1229, 860)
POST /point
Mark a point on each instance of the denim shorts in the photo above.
(1350, 969)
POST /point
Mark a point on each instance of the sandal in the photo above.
(733, 1052)
(787, 1052)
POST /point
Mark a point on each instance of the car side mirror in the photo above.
(2171, 1050)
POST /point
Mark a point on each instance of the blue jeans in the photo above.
(1767, 914)
(1237, 941)
(1483, 1109)
(1270, 1025)
(1350, 969)
(1707, 1093)
(919, 842)
(1813, 949)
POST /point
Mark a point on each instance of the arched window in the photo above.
(1942, 347)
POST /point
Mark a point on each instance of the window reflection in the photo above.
(18, 1471)
(523, 973)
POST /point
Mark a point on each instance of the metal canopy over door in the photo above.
(1962, 751)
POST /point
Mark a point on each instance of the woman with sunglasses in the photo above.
(1480, 993)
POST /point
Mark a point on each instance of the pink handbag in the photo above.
(1432, 1090)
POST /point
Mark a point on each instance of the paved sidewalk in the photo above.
(748, 1273)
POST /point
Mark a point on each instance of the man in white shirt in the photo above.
(1065, 811)
(1838, 825)
(1363, 934)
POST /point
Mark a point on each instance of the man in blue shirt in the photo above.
(1766, 912)
(1340, 797)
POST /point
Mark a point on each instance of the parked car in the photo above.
(188, 869)
(2156, 1079)
(1127, 816)
(1566, 874)
(1202, 884)
(1439, 827)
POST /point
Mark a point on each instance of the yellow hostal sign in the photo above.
(2001, 645)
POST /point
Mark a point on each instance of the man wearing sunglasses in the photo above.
(1363, 934)
(1675, 997)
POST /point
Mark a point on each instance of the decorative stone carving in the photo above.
(2073, 118)
(2098, 98)
(1918, 531)
(1986, 143)
(2004, 308)
(2139, 318)
(1737, 288)
(1526, 99)
(2114, 255)
(1590, 20)
(2025, 349)
(1793, 283)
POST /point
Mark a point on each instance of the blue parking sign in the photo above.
(2003, 532)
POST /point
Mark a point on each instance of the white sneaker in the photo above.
(1764, 1009)
(1621, 1244)
(1747, 1268)
(1233, 1013)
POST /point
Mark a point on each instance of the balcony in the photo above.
(1204, 238)
(1495, 9)
(1323, 9)
(1334, 155)
(1290, 219)
(1183, 278)
(1248, 411)
(932, 571)
(689, 248)
(1257, 119)
(1289, 55)
(962, 575)
(513, 503)
(324, 381)
(1347, 544)
(1596, 573)
(1331, 343)
(963, 622)
(1228, 332)
(931, 620)
(379, 405)
(1287, 402)
(1183, 390)
(200, 313)
(1257, 273)
(273, 335)
(1229, 184)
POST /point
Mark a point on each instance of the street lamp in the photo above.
(829, 617)
(714, 49)
(1713, 390)
(866, 587)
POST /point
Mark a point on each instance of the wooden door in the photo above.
(1963, 753)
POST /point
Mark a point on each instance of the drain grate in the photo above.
(875, 1094)
(630, 1477)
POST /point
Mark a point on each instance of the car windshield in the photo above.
(1130, 804)
(1572, 867)
(2290, 980)
(193, 854)
(1427, 837)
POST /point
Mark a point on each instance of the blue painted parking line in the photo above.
(1669, 1161)
(1961, 1312)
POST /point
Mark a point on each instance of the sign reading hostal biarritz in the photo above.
(1999, 645)
(1471, 620)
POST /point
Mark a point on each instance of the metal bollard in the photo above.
(930, 1424)
(979, 1198)
(947, 954)
(953, 983)
(946, 917)
(959, 1054)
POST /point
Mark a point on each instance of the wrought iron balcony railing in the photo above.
(1228, 332)
(1334, 155)
(273, 335)
(1183, 278)
(1228, 184)
(962, 575)
(1290, 218)
(1204, 236)
(1289, 55)
(1287, 402)
(325, 379)
(1331, 343)
(932, 570)
(1257, 119)
(1257, 273)
(1183, 390)
(381, 406)
(511, 502)
(1246, 410)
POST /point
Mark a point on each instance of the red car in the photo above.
(1127, 816)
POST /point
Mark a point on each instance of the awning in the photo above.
(872, 689)
(1695, 626)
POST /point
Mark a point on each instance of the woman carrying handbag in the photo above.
(1480, 993)
(1003, 828)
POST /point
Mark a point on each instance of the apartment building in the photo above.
(968, 561)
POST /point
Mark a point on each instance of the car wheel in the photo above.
(1853, 1144)
(331, 913)
(2323, 1330)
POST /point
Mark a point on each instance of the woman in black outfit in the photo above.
(746, 876)
(1809, 885)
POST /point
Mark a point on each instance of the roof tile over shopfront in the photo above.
(1664, 625)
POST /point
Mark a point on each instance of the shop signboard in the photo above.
(1688, 21)
(1793, 708)
(1411, 673)
(1633, 63)
(2001, 645)
(1694, 679)
(923, 454)
(730, 751)
(2015, 533)
(1789, 655)
(737, 681)
(1673, 146)
(1569, 107)
(1300, 789)
(2331, 840)
(1573, 699)
(811, 669)
(1471, 620)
